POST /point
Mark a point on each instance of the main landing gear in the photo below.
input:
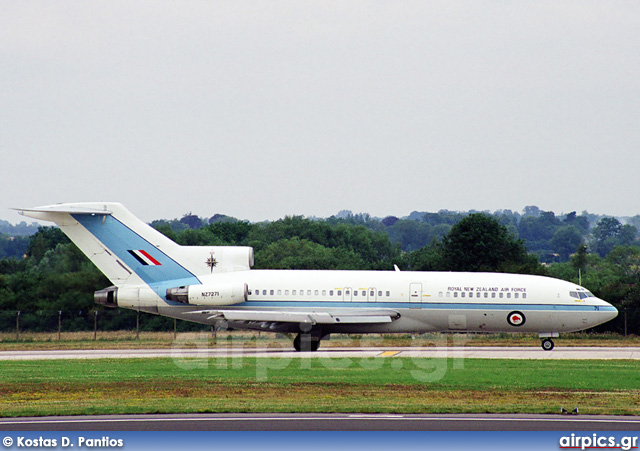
(547, 344)
(306, 342)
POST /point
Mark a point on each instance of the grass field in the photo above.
(146, 340)
(399, 385)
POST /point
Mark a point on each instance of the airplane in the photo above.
(215, 285)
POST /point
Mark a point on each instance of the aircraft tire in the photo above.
(547, 344)
(308, 343)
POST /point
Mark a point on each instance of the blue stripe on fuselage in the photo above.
(431, 305)
(120, 239)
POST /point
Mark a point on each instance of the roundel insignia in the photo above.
(516, 319)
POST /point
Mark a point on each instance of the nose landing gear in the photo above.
(547, 342)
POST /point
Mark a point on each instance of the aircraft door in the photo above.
(415, 292)
(371, 295)
(346, 294)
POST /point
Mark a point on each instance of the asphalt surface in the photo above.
(462, 352)
(323, 422)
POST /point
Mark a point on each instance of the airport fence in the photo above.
(61, 321)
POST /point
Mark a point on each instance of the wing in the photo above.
(374, 316)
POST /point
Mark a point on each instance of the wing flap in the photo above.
(364, 317)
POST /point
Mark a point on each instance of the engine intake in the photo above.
(211, 294)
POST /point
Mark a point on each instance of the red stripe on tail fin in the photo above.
(153, 260)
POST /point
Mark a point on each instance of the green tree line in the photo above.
(55, 276)
(552, 238)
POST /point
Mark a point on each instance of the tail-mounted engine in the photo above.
(107, 297)
(211, 294)
(135, 297)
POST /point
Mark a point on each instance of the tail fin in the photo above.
(124, 248)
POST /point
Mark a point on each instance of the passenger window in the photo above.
(324, 292)
(493, 295)
(517, 295)
(279, 292)
(294, 292)
(286, 292)
(347, 293)
(448, 294)
(388, 293)
(380, 293)
(508, 295)
(440, 294)
(355, 292)
(524, 295)
(478, 294)
(330, 292)
(271, 292)
(486, 295)
(339, 293)
(462, 294)
(264, 292)
(455, 294)
(308, 292)
(501, 295)
(315, 292)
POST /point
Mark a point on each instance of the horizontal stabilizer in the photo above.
(63, 208)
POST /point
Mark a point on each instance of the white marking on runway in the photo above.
(466, 352)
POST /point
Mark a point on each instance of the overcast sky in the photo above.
(260, 109)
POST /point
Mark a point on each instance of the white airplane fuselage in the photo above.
(425, 301)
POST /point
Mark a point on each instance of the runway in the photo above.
(459, 352)
(323, 422)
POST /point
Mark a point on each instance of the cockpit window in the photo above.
(581, 294)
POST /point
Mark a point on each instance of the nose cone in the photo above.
(606, 311)
(613, 312)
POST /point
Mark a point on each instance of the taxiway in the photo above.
(466, 352)
(323, 422)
